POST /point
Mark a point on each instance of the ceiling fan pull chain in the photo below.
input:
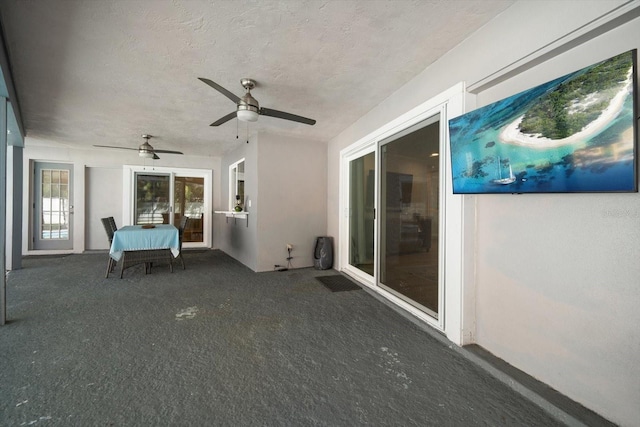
(247, 133)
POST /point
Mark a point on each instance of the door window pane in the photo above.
(54, 203)
(189, 201)
(152, 199)
(409, 174)
(361, 213)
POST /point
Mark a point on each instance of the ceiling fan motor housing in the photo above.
(145, 150)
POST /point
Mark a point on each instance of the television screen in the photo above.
(576, 133)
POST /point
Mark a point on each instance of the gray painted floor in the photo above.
(217, 344)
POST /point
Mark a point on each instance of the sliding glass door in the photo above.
(409, 212)
(420, 229)
(166, 195)
(393, 223)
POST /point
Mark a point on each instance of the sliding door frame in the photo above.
(382, 214)
(129, 193)
(344, 241)
(457, 316)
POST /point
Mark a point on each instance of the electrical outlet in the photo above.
(289, 246)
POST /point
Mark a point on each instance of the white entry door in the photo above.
(53, 206)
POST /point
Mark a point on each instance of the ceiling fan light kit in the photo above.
(247, 107)
(247, 115)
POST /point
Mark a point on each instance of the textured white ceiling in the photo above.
(104, 72)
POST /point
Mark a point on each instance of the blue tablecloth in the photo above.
(136, 238)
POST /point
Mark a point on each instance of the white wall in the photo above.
(556, 275)
(101, 203)
(559, 275)
(285, 180)
(293, 194)
(238, 237)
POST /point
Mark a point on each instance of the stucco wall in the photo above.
(556, 275)
(239, 238)
(285, 180)
(293, 194)
(101, 203)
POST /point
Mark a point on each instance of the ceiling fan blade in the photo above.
(220, 89)
(287, 116)
(167, 151)
(224, 119)
(113, 146)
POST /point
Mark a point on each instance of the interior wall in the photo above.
(285, 183)
(101, 204)
(556, 274)
(238, 237)
(293, 194)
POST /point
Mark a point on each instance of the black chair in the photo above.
(112, 222)
(184, 222)
(109, 225)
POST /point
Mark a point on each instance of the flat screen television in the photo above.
(577, 133)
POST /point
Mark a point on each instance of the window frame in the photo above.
(234, 184)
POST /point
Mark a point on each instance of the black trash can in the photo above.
(323, 253)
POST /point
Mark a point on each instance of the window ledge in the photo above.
(235, 215)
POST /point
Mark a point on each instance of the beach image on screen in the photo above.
(573, 134)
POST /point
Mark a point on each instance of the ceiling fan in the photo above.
(144, 150)
(247, 107)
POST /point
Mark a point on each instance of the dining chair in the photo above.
(112, 222)
(109, 225)
(184, 221)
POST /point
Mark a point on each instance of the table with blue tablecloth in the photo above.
(135, 244)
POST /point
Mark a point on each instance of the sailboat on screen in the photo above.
(504, 180)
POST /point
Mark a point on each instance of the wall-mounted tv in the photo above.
(574, 134)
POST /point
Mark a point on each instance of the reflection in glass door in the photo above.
(152, 199)
(362, 212)
(409, 211)
(189, 201)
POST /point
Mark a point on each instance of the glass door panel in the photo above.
(53, 206)
(152, 199)
(362, 213)
(189, 201)
(409, 193)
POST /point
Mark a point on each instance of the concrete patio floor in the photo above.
(217, 344)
